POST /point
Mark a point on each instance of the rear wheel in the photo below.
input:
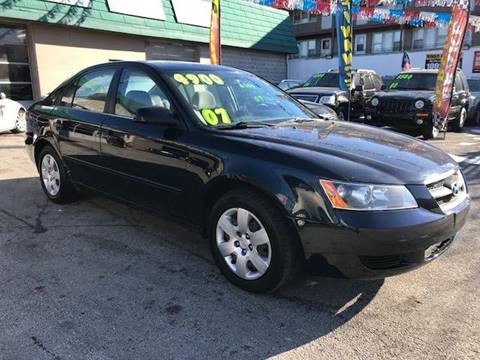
(251, 242)
(54, 179)
(20, 122)
(459, 122)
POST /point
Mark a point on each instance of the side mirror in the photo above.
(156, 115)
(384, 87)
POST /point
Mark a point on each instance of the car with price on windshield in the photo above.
(408, 103)
(273, 187)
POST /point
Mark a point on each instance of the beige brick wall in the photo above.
(59, 52)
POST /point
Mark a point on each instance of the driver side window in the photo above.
(137, 90)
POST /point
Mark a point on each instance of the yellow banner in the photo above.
(215, 33)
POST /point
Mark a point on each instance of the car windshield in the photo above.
(223, 97)
(414, 81)
(474, 85)
(323, 80)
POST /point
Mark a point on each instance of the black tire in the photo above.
(460, 120)
(286, 255)
(430, 132)
(66, 191)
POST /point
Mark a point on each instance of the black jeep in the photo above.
(408, 103)
(323, 88)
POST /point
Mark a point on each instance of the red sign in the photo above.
(476, 62)
(449, 62)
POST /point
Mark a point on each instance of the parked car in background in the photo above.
(290, 84)
(474, 107)
(323, 88)
(408, 103)
(323, 112)
(12, 115)
(262, 177)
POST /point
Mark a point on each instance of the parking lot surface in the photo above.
(98, 280)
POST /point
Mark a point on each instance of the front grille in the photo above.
(396, 106)
(448, 191)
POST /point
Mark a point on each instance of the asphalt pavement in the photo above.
(98, 280)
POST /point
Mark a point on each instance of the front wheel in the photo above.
(251, 242)
(430, 132)
(20, 122)
(53, 177)
(459, 122)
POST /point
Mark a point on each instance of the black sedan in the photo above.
(270, 184)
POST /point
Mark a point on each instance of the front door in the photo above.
(148, 163)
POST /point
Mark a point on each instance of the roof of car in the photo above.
(175, 65)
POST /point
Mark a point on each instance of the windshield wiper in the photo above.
(244, 125)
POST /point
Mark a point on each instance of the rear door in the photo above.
(78, 115)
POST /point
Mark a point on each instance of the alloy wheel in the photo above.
(244, 244)
(20, 122)
(50, 175)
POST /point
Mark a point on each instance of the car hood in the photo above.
(411, 94)
(353, 152)
(316, 90)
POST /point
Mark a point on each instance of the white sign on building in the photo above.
(193, 12)
(152, 9)
(82, 3)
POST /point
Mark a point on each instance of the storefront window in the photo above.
(15, 79)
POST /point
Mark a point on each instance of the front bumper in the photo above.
(405, 120)
(369, 245)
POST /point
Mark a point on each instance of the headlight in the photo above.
(375, 102)
(331, 100)
(365, 197)
(419, 104)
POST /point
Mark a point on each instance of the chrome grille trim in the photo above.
(448, 191)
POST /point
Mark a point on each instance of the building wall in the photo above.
(271, 66)
(384, 64)
(60, 52)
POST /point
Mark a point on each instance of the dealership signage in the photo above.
(82, 3)
(476, 62)
(193, 12)
(152, 9)
(432, 61)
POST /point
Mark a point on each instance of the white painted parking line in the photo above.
(467, 143)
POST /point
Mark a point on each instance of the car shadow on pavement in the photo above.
(97, 279)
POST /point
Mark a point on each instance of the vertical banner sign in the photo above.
(344, 40)
(215, 46)
(449, 62)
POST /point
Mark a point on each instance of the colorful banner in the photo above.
(344, 41)
(215, 43)
(378, 11)
(449, 63)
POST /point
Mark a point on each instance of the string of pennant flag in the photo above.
(378, 11)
